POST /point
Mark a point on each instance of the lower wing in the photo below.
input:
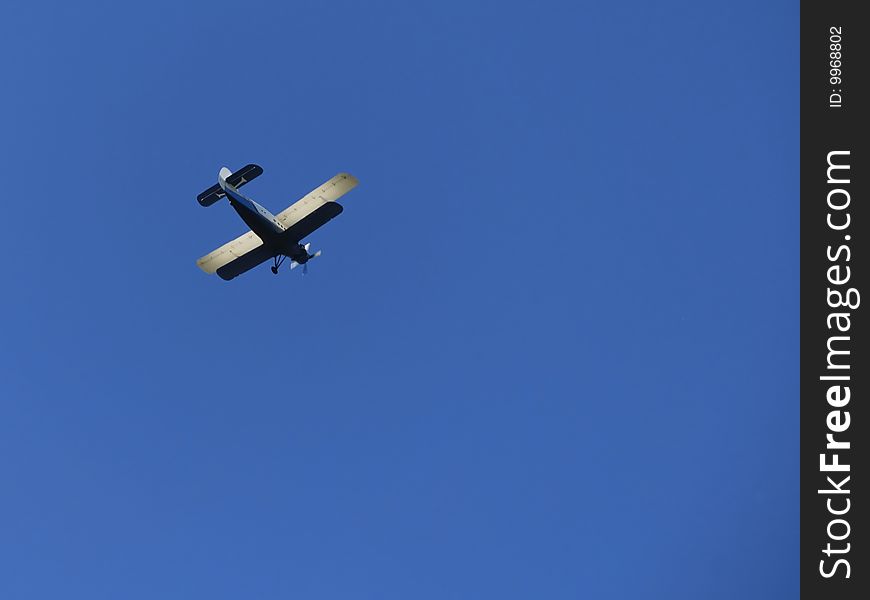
(235, 257)
(244, 263)
(247, 251)
(326, 194)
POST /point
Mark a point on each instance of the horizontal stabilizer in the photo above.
(237, 180)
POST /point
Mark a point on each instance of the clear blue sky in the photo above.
(550, 350)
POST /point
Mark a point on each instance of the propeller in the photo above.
(310, 258)
(294, 264)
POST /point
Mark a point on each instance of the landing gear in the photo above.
(298, 256)
(279, 260)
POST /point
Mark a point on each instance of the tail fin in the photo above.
(222, 177)
(237, 180)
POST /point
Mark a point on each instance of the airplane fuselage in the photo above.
(260, 220)
(267, 227)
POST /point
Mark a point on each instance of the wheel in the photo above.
(275, 270)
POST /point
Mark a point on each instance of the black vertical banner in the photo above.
(835, 370)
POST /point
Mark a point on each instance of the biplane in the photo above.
(271, 237)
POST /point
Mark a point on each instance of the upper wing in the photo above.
(330, 191)
(237, 180)
(242, 245)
